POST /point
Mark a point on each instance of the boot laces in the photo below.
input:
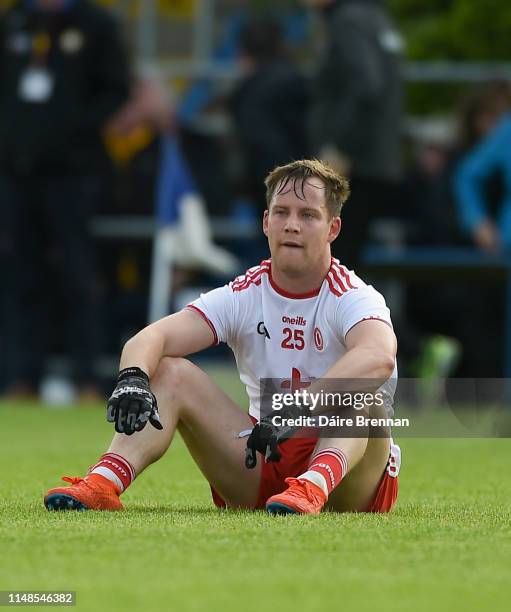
(75, 480)
(299, 486)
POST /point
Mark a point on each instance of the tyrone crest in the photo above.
(318, 339)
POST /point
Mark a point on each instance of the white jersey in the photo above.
(297, 338)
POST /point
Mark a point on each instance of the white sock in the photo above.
(317, 479)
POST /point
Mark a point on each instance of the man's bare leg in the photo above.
(209, 422)
(361, 463)
(367, 459)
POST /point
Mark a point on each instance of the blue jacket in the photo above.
(491, 154)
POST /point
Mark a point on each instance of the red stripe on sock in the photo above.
(119, 466)
(332, 464)
(120, 458)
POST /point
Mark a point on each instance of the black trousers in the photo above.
(48, 268)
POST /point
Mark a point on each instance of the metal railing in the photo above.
(414, 71)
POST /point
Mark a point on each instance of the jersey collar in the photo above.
(292, 296)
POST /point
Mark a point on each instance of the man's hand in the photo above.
(487, 237)
(132, 403)
(263, 439)
(266, 437)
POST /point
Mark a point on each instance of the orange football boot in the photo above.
(94, 492)
(301, 497)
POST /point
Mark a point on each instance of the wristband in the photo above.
(135, 371)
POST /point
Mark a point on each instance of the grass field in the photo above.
(447, 546)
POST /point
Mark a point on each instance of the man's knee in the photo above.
(358, 449)
(173, 375)
(354, 448)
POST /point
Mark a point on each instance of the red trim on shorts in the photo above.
(205, 317)
(386, 496)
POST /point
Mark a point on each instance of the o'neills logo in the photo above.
(326, 467)
(294, 320)
(116, 466)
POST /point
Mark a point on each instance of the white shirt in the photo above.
(297, 338)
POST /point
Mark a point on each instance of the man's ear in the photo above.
(265, 222)
(335, 229)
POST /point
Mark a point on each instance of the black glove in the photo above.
(132, 403)
(266, 437)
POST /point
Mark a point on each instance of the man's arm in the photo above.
(372, 348)
(371, 356)
(469, 182)
(177, 335)
(367, 364)
(132, 403)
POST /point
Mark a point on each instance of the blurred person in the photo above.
(298, 316)
(63, 74)
(437, 335)
(482, 190)
(356, 110)
(428, 183)
(429, 329)
(426, 189)
(482, 179)
(479, 111)
(150, 106)
(269, 106)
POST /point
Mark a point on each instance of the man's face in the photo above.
(298, 227)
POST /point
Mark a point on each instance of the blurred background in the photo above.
(135, 137)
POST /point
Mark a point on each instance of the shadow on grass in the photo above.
(197, 510)
(170, 509)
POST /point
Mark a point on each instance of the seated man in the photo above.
(298, 316)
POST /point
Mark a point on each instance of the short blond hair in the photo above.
(337, 188)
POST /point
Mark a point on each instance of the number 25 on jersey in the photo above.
(293, 339)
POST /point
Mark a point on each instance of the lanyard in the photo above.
(45, 34)
(41, 47)
(46, 31)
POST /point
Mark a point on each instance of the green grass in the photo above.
(447, 546)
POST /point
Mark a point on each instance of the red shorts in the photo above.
(296, 454)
